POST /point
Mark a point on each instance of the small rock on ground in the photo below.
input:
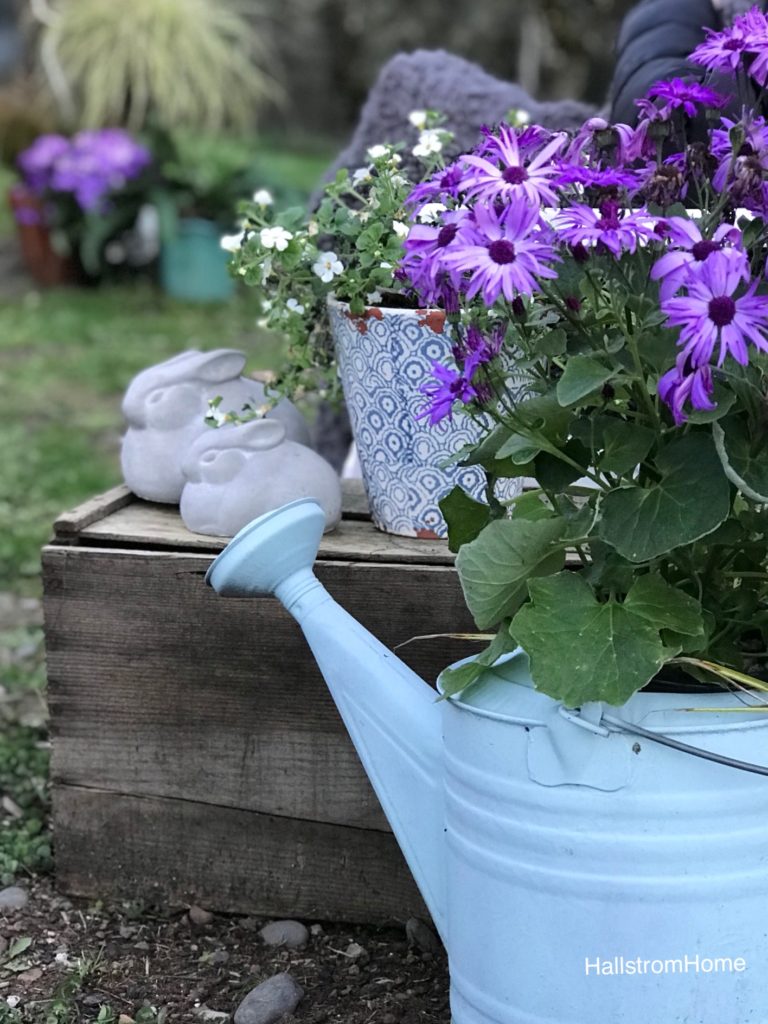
(291, 934)
(270, 1001)
(13, 898)
(199, 916)
(421, 935)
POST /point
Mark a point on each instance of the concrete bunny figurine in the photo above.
(236, 473)
(165, 407)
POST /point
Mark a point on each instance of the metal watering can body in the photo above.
(577, 874)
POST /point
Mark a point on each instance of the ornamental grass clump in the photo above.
(624, 269)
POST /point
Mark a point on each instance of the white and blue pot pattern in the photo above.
(384, 357)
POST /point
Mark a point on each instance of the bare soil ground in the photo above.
(159, 965)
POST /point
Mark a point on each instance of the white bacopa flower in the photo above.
(263, 197)
(374, 298)
(231, 243)
(312, 228)
(519, 117)
(275, 238)
(429, 143)
(13, 1001)
(385, 266)
(295, 306)
(377, 152)
(328, 266)
(400, 228)
(218, 417)
(430, 212)
(362, 174)
(418, 118)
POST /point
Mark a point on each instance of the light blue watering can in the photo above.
(578, 872)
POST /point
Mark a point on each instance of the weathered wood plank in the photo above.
(159, 687)
(146, 524)
(70, 523)
(180, 852)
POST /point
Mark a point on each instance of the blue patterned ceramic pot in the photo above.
(384, 356)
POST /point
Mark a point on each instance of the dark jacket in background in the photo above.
(654, 41)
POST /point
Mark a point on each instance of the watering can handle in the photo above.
(667, 741)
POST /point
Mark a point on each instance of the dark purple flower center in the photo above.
(515, 175)
(447, 234)
(733, 44)
(702, 249)
(502, 251)
(722, 310)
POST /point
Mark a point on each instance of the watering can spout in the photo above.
(391, 714)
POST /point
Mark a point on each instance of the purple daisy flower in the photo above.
(597, 177)
(445, 183)
(609, 228)
(724, 50)
(504, 173)
(754, 25)
(425, 250)
(677, 94)
(684, 383)
(451, 386)
(503, 251)
(710, 314)
(691, 249)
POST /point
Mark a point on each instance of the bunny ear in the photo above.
(220, 365)
(262, 434)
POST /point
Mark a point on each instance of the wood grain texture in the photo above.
(159, 687)
(69, 524)
(143, 524)
(179, 852)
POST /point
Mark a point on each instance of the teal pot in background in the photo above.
(193, 266)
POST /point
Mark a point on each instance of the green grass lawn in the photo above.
(66, 358)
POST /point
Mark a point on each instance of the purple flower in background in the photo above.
(597, 177)
(724, 50)
(89, 166)
(504, 173)
(503, 252)
(610, 228)
(677, 94)
(710, 314)
(37, 162)
(683, 383)
(451, 386)
(692, 248)
(754, 25)
(484, 347)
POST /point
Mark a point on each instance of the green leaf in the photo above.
(518, 449)
(552, 343)
(454, 680)
(554, 474)
(581, 377)
(742, 453)
(665, 606)
(691, 500)
(625, 445)
(18, 946)
(465, 517)
(494, 567)
(531, 506)
(581, 650)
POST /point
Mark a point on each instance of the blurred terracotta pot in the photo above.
(45, 266)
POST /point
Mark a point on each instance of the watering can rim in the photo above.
(734, 725)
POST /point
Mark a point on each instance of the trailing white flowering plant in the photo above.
(350, 246)
(625, 269)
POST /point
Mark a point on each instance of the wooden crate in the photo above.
(197, 755)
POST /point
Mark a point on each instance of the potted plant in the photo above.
(193, 64)
(74, 197)
(330, 282)
(586, 811)
(201, 180)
